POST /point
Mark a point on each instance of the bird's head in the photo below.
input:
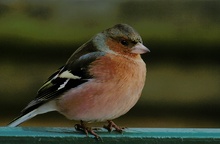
(123, 39)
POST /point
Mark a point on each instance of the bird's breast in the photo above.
(115, 67)
(114, 90)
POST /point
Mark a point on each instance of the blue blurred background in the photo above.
(182, 86)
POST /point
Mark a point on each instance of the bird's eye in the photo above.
(124, 42)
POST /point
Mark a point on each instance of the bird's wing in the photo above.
(73, 74)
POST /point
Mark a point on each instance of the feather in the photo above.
(71, 75)
(50, 106)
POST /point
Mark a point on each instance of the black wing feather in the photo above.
(50, 90)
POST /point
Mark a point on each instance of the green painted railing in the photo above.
(32, 135)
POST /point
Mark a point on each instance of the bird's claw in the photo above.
(112, 125)
(82, 127)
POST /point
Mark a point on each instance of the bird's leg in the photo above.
(111, 125)
(82, 127)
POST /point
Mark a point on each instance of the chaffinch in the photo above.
(102, 80)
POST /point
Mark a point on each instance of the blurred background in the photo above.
(182, 86)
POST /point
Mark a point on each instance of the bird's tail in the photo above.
(47, 107)
(22, 118)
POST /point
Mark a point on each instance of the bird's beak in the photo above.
(139, 48)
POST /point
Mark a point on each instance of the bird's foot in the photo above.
(112, 125)
(82, 127)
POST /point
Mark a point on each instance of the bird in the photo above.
(102, 80)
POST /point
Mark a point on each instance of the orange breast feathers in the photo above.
(115, 88)
(118, 69)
